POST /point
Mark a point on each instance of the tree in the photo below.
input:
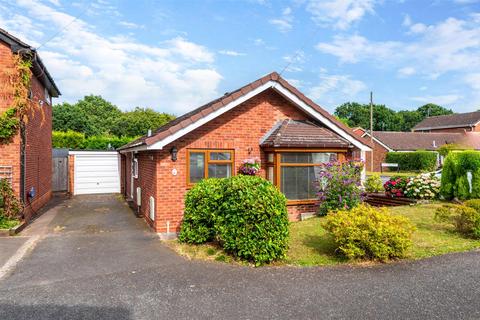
(138, 121)
(431, 109)
(92, 115)
(409, 119)
(356, 114)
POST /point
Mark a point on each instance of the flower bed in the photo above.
(424, 186)
(396, 186)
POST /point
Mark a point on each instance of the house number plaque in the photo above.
(174, 171)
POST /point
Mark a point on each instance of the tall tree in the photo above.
(138, 121)
(431, 109)
(356, 114)
(92, 115)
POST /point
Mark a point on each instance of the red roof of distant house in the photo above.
(457, 120)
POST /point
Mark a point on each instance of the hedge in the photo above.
(246, 215)
(413, 161)
(455, 175)
(78, 141)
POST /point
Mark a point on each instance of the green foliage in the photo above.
(139, 121)
(9, 124)
(339, 186)
(413, 161)
(254, 220)
(385, 119)
(94, 116)
(77, 141)
(10, 207)
(455, 175)
(465, 218)
(202, 204)
(449, 147)
(374, 183)
(431, 109)
(372, 233)
(247, 215)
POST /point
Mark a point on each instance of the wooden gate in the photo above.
(60, 169)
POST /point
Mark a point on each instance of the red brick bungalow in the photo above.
(27, 160)
(268, 119)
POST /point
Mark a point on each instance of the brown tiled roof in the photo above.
(306, 134)
(449, 121)
(203, 111)
(470, 140)
(411, 141)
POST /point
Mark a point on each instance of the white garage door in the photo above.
(96, 172)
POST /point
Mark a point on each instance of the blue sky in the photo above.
(175, 55)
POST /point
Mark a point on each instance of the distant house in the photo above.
(27, 160)
(268, 119)
(391, 141)
(459, 122)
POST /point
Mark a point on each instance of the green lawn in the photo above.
(310, 245)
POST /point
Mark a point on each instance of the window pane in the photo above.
(220, 156)
(270, 171)
(308, 157)
(219, 170)
(298, 183)
(270, 157)
(197, 166)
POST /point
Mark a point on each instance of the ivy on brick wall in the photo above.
(18, 86)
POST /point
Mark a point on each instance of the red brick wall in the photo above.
(379, 154)
(38, 159)
(38, 150)
(459, 129)
(9, 153)
(240, 129)
(147, 169)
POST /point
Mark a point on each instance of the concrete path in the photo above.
(97, 261)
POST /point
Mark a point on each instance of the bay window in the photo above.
(296, 173)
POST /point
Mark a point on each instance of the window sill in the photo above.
(299, 202)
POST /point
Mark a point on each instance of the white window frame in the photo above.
(135, 168)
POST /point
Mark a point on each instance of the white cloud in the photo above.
(232, 53)
(473, 80)
(336, 87)
(407, 21)
(176, 75)
(450, 45)
(339, 13)
(283, 24)
(295, 61)
(131, 25)
(295, 82)
(354, 48)
(440, 100)
(406, 71)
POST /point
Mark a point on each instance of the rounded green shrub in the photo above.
(201, 208)
(253, 222)
(365, 232)
(374, 184)
(447, 185)
(465, 218)
(413, 161)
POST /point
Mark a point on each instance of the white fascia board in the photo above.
(379, 142)
(92, 152)
(180, 133)
(270, 84)
(293, 98)
(133, 149)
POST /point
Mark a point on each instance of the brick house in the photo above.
(458, 122)
(268, 119)
(27, 160)
(391, 141)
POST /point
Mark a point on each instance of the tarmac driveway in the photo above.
(95, 260)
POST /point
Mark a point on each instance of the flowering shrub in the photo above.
(339, 186)
(396, 186)
(250, 167)
(423, 186)
(373, 183)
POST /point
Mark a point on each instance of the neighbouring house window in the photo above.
(297, 173)
(135, 168)
(213, 163)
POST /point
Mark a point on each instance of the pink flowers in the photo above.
(396, 186)
(250, 167)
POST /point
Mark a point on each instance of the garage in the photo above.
(94, 172)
